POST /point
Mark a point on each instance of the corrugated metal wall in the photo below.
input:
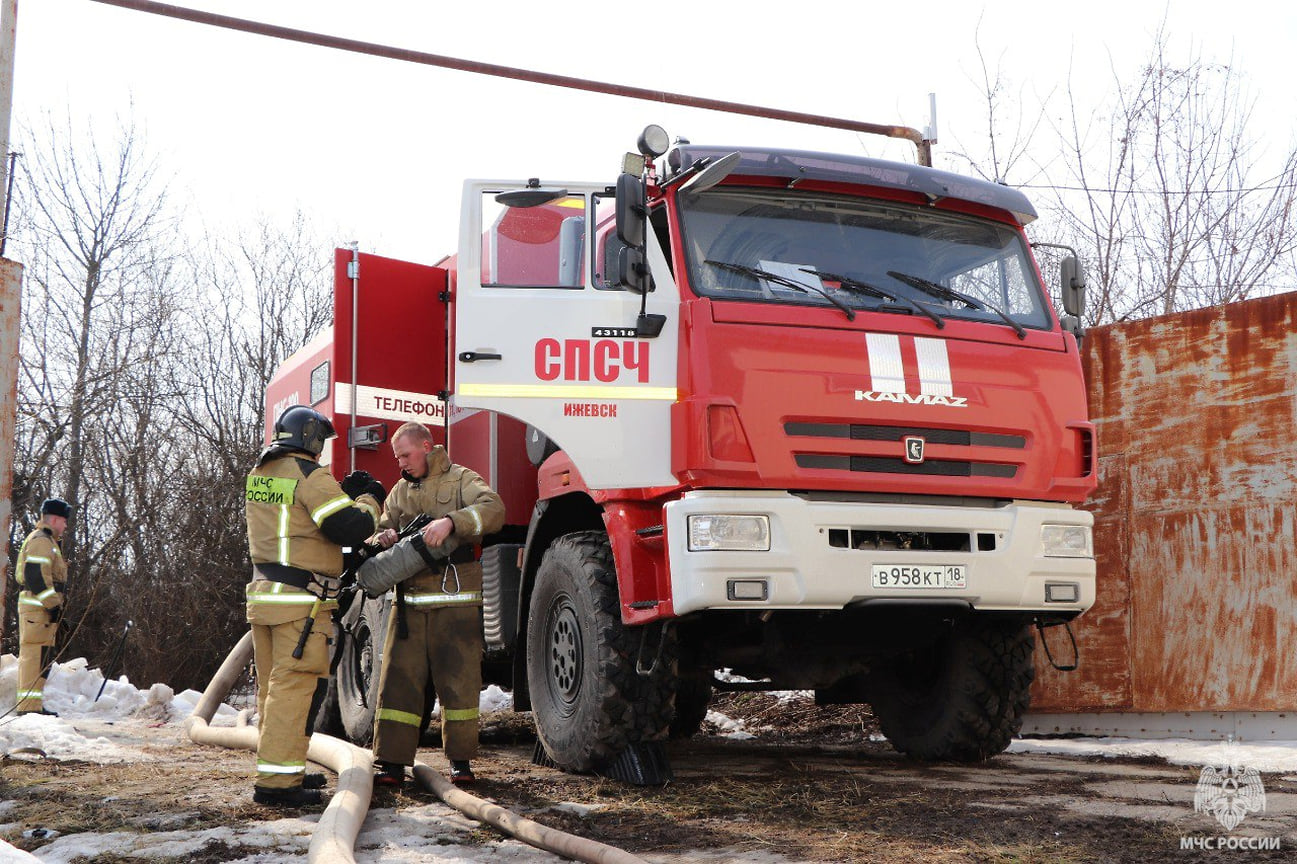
(1195, 517)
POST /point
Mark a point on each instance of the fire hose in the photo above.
(334, 840)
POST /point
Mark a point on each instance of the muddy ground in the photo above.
(812, 787)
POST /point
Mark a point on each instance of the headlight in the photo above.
(1066, 541)
(716, 531)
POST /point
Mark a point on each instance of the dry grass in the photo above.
(812, 788)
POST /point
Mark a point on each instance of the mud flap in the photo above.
(641, 764)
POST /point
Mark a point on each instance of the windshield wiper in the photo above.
(936, 289)
(874, 291)
(776, 279)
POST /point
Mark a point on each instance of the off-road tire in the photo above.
(693, 695)
(587, 698)
(358, 672)
(961, 699)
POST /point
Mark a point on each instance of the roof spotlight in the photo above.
(654, 141)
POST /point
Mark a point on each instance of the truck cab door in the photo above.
(542, 334)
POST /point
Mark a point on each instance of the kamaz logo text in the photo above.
(583, 359)
(911, 398)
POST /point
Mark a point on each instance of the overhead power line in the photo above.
(492, 69)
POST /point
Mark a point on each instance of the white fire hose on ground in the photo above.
(334, 840)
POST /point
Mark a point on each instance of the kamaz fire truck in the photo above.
(810, 418)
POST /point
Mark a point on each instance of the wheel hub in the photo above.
(565, 653)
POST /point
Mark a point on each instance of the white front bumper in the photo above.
(803, 571)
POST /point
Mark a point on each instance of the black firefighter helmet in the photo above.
(302, 428)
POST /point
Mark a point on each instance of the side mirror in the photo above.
(630, 210)
(631, 271)
(1072, 286)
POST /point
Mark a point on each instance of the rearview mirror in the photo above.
(1072, 286)
(630, 210)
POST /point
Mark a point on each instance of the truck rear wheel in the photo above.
(961, 699)
(358, 671)
(587, 699)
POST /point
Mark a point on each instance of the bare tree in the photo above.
(1012, 124)
(1167, 196)
(92, 311)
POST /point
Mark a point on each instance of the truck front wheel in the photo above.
(960, 699)
(587, 698)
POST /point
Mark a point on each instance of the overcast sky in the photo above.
(376, 150)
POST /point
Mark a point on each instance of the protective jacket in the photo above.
(41, 570)
(42, 574)
(474, 508)
(298, 521)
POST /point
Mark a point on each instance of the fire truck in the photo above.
(811, 418)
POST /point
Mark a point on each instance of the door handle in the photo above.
(474, 356)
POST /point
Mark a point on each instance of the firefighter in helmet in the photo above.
(43, 575)
(299, 518)
(441, 642)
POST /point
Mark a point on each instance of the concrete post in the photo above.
(10, 301)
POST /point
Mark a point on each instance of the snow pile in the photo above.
(70, 692)
(429, 833)
(1265, 756)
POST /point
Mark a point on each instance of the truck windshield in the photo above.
(806, 249)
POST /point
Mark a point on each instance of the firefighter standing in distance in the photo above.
(442, 607)
(298, 520)
(43, 575)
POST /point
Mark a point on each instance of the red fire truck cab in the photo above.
(808, 417)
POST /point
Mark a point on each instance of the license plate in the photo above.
(920, 576)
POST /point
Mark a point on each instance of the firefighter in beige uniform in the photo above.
(298, 520)
(442, 608)
(43, 574)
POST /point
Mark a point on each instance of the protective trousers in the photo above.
(287, 692)
(446, 644)
(36, 633)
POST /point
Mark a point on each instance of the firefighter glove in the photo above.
(358, 483)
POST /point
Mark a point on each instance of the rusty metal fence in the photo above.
(1195, 517)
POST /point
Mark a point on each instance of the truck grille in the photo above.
(892, 465)
(864, 432)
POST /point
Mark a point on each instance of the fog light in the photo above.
(1066, 541)
(1062, 592)
(712, 532)
(746, 589)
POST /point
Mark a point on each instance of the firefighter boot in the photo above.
(389, 775)
(293, 796)
(460, 772)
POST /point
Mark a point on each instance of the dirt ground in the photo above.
(814, 786)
